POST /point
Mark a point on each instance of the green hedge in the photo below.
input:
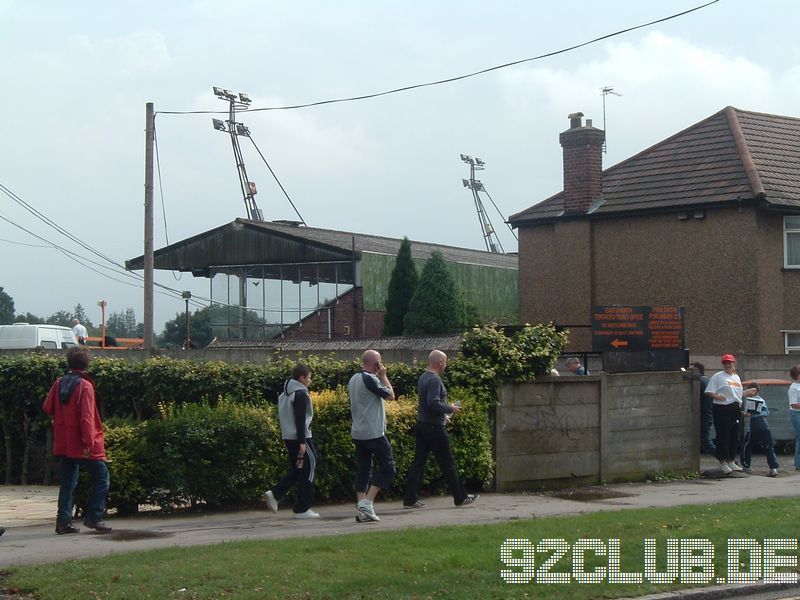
(165, 420)
(229, 454)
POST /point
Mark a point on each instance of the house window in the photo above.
(791, 341)
(791, 242)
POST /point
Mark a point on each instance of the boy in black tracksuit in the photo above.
(295, 413)
(758, 434)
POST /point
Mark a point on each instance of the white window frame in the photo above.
(787, 349)
(786, 232)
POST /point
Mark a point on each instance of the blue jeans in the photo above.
(794, 416)
(96, 505)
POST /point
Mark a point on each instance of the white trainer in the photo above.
(365, 512)
(734, 467)
(309, 514)
(725, 468)
(773, 472)
(269, 498)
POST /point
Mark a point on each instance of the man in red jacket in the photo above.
(79, 442)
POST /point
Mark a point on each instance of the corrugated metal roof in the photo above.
(446, 343)
(245, 242)
(705, 164)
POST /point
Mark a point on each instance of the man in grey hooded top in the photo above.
(295, 413)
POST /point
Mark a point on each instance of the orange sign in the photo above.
(637, 328)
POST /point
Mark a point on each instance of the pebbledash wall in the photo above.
(562, 431)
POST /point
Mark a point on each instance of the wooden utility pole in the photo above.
(148, 226)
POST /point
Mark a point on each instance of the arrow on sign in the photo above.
(619, 343)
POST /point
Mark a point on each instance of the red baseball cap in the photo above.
(728, 358)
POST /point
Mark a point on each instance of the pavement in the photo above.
(28, 513)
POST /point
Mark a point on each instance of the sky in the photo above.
(76, 77)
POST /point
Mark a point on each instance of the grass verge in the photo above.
(442, 562)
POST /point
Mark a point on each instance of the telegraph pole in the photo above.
(148, 225)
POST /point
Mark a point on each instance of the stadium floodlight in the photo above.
(219, 125)
(219, 92)
(230, 95)
(466, 158)
(466, 183)
(244, 98)
(479, 162)
(242, 130)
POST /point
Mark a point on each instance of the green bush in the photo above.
(127, 489)
(489, 356)
(230, 454)
(180, 445)
(223, 454)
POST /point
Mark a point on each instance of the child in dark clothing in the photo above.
(758, 434)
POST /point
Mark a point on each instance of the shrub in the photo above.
(488, 356)
(223, 454)
(127, 490)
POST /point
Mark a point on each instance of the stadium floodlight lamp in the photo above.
(466, 158)
(219, 92)
(479, 162)
(219, 125)
(244, 98)
(466, 183)
(242, 129)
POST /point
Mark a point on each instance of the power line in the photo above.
(41, 216)
(24, 244)
(120, 269)
(161, 194)
(277, 180)
(455, 78)
(160, 184)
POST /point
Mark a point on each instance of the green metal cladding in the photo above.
(493, 290)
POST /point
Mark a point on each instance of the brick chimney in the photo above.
(583, 164)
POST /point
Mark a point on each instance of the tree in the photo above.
(123, 325)
(6, 308)
(62, 318)
(29, 318)
(80, 314)
(438, 305)
(402, 285)
(204, 321)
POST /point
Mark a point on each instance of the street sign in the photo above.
(617, 328)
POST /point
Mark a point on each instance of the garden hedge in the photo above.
(182, 431)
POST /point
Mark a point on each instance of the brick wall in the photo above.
(343, 318)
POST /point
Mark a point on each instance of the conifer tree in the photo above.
(402, 285)
(437, 306)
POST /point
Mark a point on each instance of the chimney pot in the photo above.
(575, 120)
(588, 122)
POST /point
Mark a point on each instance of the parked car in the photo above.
(775, 392)
(23, 336)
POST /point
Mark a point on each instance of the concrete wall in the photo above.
(564, 431)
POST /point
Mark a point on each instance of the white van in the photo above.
(21, 336)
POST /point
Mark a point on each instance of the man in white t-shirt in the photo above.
(725, 389)
(79, 331)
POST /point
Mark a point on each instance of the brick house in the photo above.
(708, 219)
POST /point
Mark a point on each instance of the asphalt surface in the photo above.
(28, 513)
